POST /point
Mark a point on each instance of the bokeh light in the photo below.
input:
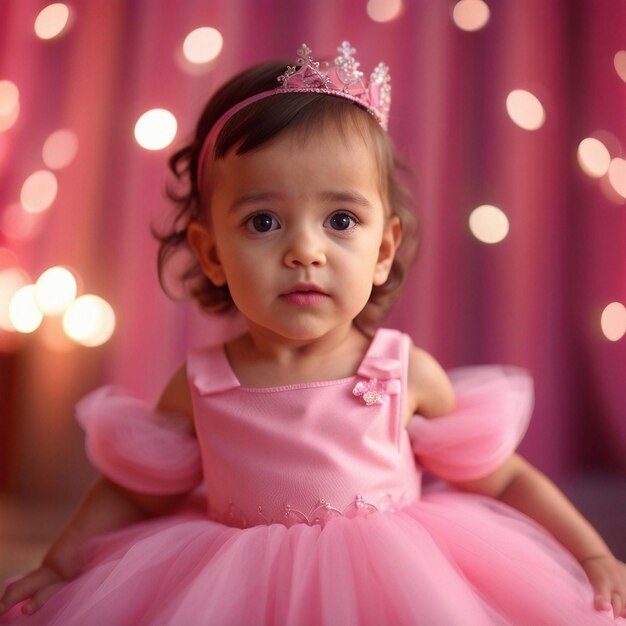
(384, 10)
(8, 259)
(24, 313)
(9, 104)
(470, 15)
(525, 109)
(619, 61)
(89, 320)
(593, 157)
(488, 223)
(155, 129)
(613, 321)
(617, 176)
(39, 191)
(55, 290)
(202, 45)
(51, 335)
(18, 224)
(7, 121)
(60, 149)
(11, 281)
(52, 21)
(9, 97)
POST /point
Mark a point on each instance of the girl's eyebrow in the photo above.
(351, 197)
(251, 197)
(348, 197)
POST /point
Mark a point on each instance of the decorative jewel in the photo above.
(289, 516)
(259, 519)
(322, 513)
(359, 507)
(347, 67)
(235, 517)
(371, 391)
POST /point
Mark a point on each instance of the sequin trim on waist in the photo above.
(320, 514)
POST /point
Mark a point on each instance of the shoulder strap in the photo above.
(387, 361)
(209, 372)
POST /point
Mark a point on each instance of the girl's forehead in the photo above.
(325, 155)
(296, 165)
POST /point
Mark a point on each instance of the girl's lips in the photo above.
(304, 296)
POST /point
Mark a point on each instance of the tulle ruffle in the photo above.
(135, 446)
(493, 409)
(451, 558)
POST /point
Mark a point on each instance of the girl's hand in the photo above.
(39, 585)
(608, 579)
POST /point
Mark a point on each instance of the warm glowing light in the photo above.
(6, 121)
(470, 15)
(55, 290)
(617, 176)
(613, 321)
(52, 336)
(619, 61)
(525, 109)
(39, 191)
(52, 20)
(60, 149)
(384, 10)
(9, 104)
(11, 281)
(9, 97)
(155, 129)
(8, 258)
(593, 157)
(202, 45)
(488, 224)
(17, 223)
(89, 320)
(24, 314)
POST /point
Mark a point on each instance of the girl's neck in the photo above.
(260, 360)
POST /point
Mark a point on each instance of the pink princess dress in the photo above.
(312, 511)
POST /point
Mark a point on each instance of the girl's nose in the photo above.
(304, 249)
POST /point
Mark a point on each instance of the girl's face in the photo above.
(298, 231)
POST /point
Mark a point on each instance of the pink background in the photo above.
(533, 300)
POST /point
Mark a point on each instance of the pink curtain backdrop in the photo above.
(533, 300)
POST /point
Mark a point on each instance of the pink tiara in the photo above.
(341, 79)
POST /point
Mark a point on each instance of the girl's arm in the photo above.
(104, 508)
(525, 488)
(522, 486)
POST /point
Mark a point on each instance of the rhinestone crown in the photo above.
(341, 78)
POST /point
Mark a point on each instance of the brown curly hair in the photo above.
(250, 128)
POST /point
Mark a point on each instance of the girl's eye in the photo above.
(341, 221)
(262, 223)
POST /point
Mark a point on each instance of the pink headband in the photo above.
(341, 79)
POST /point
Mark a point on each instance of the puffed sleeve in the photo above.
(493, 409)
(136, 447)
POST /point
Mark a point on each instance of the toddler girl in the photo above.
(310, 432)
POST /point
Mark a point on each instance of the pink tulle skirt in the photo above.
(449, 559)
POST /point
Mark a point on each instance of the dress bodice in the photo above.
(309, 452)
(305, 452)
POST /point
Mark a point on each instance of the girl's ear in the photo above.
(392, 235)
(201, 240)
